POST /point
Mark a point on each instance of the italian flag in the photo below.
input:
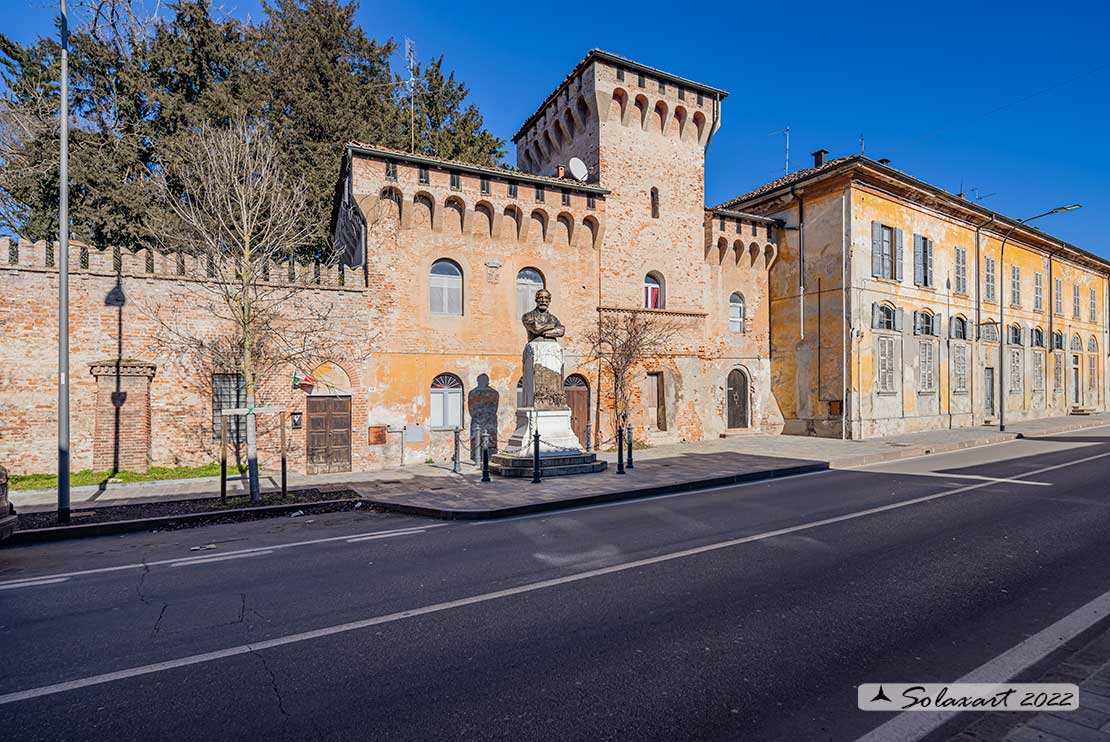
(299, 381)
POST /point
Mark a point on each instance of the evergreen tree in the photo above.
(444, 127)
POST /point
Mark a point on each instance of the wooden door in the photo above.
(737, 399)
(578, 399)
(329, 434)
(988, 391)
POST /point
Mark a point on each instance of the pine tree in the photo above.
(444, 127)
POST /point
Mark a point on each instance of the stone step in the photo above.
(554, 459)
(1082, 411)
(549, 471)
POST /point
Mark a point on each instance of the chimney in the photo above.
(560, 171)
(884, 161)
(819, 157)
(962, 195)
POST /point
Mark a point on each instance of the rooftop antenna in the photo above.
(980, 198)
(410, 57)
(785, 131)
(862, 149)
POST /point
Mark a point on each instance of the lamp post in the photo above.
(1002, 330)
(63, 281)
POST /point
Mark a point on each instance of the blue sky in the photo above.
(1011, 98)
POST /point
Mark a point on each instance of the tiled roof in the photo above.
(604, 56)
(498, 172)
(785, 181)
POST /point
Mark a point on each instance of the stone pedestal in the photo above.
(556, 436)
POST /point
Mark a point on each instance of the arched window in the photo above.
(1092, 345)
(1076, 344)
(1037, 340)
(1014, 335)
(736, 312)
(654, 203)
(528, 282)
(924, 323)
(653, 291)
(446, 284)
(447, 402)
(1057, 340)
(884, 317)
(959, 328)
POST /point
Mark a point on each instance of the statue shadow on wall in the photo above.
(118, 299)
(483, 402)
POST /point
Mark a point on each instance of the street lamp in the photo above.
(63, 282)
(1002, 332)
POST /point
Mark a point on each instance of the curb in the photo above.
(446, 513)
(107, 528)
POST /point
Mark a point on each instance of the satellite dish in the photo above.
(578, 169)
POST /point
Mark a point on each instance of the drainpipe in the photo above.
(846, 331)
(801, 262)
(978, 314)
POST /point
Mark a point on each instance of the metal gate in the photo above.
(329, 434)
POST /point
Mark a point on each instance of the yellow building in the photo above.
(885, 306)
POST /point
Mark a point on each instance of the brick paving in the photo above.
(661, 468)
(1089, 668)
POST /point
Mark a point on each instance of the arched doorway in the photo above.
(737, 399)
(578, 399)
(328, 420)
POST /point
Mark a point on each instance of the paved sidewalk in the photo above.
(1089, 668)
(434, 489)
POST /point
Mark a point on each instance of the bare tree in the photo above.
(28, 152)
(622, 340)
(238, 216)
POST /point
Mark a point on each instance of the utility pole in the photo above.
(63, 284)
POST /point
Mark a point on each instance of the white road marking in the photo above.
(31, 583)
(221, 558)
(979, 477)
(909, 727)
(384, 535)
(197, 659)
(141, 565)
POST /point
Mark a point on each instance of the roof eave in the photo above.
(477, 169)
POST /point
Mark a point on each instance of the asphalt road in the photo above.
(740, 613)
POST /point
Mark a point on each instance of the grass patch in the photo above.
(88, 476)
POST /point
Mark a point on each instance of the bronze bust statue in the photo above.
(541, 323)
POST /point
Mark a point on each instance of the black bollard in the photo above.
(536, 457)
(630, 464)
(485, 457)
(620, 449)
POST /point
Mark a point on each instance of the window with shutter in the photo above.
(446, 406)
(989, 278)
(1015, 372)
(961, 270)
(1058, 372)
(1094, 306)
(445, 288)
(926, 367)
(528, 282)
(736, 312)
(918, 260)
(1075, 301)
(886, 365)
(1092, 373)
(1038, 292)
(959, 382)
(1058, 293)
(1015, 286)
(1038, 372)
